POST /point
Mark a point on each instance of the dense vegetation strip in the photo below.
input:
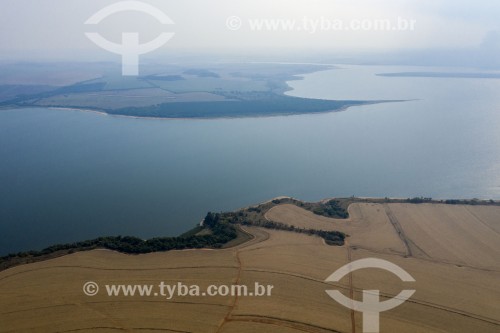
(268, 105)
(221, 229)
(212, 235)
(216, 231)
(243, 217)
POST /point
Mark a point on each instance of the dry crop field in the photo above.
(452, 252)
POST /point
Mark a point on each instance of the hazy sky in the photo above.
(55, 28)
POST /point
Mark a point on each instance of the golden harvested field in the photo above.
(453, 252)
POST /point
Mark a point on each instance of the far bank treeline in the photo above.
(264, 104)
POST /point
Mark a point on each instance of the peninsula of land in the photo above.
(204, 92)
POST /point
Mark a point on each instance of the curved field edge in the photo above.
(222, 230)
(39, 295)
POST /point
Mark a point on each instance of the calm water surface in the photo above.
(70, 175)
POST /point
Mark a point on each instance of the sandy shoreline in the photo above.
(103, 113)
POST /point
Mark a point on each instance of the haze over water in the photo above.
(71, 175)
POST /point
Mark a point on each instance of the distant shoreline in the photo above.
(271, 115)
(343, 106)
(265, 98)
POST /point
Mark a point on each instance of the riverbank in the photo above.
(222, 230)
